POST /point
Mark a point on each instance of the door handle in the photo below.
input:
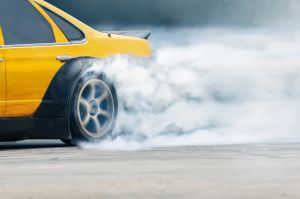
(65, 58)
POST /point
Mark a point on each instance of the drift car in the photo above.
(48, 89)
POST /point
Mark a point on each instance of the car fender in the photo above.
(56, 98)
(55, 103)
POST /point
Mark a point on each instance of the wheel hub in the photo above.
(93, 108)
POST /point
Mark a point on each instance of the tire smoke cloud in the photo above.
(210, 87)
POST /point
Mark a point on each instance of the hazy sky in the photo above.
(184, 12)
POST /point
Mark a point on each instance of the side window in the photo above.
(71, 32)
(22, 24)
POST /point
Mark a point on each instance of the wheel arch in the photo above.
(55, 103)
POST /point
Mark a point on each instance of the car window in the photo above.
(22, 24)
(71, 32)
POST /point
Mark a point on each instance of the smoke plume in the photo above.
(212, 86)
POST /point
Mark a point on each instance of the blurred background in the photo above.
(183, 12)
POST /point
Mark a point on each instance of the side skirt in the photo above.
(15, 129)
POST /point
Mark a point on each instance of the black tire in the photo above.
(100, 106)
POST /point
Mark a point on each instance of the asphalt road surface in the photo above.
(51, 170)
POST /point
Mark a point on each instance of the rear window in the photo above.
(71, 32)
(22, 24)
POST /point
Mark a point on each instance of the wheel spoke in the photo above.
(102, 97)
(86, 120)
(93, 92)
(104, 113)
(97, 125)
(84, 102)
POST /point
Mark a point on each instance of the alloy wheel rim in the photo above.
(95, 108)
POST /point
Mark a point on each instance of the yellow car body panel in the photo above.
(28, 79)
(29, 69)
(2, 79)
(2, 87)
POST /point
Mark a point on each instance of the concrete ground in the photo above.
(39, 170)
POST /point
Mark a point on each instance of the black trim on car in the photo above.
(15, 129)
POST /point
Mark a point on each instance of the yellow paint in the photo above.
(1, 37)
(30, 69)
(28, 78)
(2, 77)
(2, 85)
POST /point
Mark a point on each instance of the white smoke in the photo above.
(208, 86)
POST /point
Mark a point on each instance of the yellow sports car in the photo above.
(47, 87)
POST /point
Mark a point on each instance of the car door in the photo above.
(33, 41)
(2, 78)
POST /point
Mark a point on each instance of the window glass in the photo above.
(22, 24)
(71, 32)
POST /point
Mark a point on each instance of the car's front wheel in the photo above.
(93, 109)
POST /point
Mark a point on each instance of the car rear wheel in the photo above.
(93, 109)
